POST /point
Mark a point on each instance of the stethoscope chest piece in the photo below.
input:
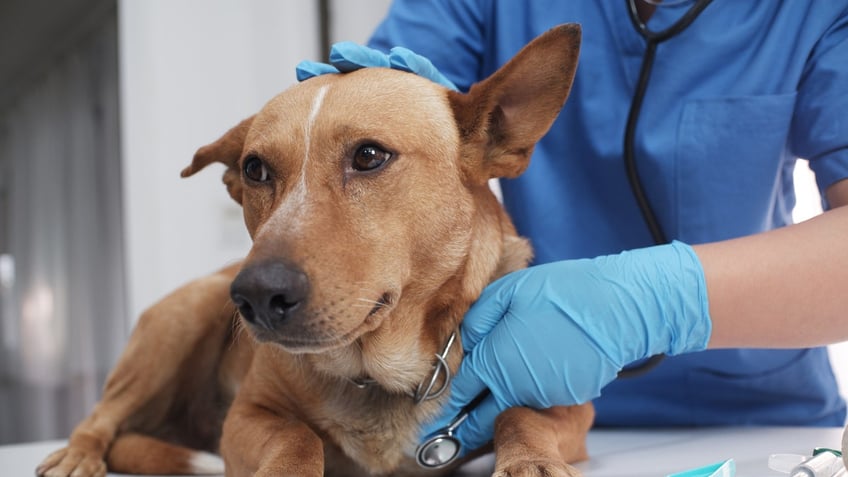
(438, 451)
(443, 448)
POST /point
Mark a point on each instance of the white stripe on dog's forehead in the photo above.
(291, 210)
(307, 135)
(298, 194)
(316, 106)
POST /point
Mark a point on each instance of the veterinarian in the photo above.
(730, 98)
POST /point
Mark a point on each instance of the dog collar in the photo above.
(424, 391)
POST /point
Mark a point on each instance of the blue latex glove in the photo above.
(555, 334)
(347, 56)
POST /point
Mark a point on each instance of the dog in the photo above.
(374, 229)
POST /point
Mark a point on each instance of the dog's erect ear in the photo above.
(227, 151)
(502, 117)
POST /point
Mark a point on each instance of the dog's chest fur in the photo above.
(383, 442)
(367, 431)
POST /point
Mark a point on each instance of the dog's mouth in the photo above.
(315, 338)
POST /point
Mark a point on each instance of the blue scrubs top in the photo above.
(732, 101)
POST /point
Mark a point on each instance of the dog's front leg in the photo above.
(133, 384)
(531, 443)
(259, 441)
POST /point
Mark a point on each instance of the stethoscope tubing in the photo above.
(653, 39)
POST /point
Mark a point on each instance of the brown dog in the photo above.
(374, 230)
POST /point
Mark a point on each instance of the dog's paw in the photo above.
(69, 461)
(537, 468)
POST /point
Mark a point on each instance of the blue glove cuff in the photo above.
(659, 297)
(689, 313)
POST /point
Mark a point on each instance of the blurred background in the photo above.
(102, 103)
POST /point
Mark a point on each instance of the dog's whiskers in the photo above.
(237, 329)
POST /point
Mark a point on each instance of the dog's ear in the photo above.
(501, 118)
(227, 151)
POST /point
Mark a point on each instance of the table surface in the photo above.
(613, 453)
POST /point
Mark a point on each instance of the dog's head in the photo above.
(367, 190)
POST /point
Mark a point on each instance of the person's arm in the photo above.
(556, 334)
(783, 288)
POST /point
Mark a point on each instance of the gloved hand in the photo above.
(555, 334)
(347, 56)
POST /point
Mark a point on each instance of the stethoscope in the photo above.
(442, 448)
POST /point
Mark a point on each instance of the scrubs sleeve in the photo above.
(447, 32)
(819, 130)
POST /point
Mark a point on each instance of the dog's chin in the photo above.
(306, 341)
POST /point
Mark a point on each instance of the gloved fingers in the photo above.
(406, 60)
(310, 69)
(477, 429)
(465, 386)
(484, 314)
(348, 56)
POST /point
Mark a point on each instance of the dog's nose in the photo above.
(268, 293)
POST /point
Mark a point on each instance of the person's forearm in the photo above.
(783, 288)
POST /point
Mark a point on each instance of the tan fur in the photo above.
(393, 258)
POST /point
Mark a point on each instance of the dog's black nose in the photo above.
(267, 293)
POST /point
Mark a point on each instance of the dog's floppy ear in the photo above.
(502, 117)
(227, 151)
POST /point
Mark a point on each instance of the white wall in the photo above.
(354, 20)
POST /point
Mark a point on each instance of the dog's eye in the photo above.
(369, 157)
(255, 170)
